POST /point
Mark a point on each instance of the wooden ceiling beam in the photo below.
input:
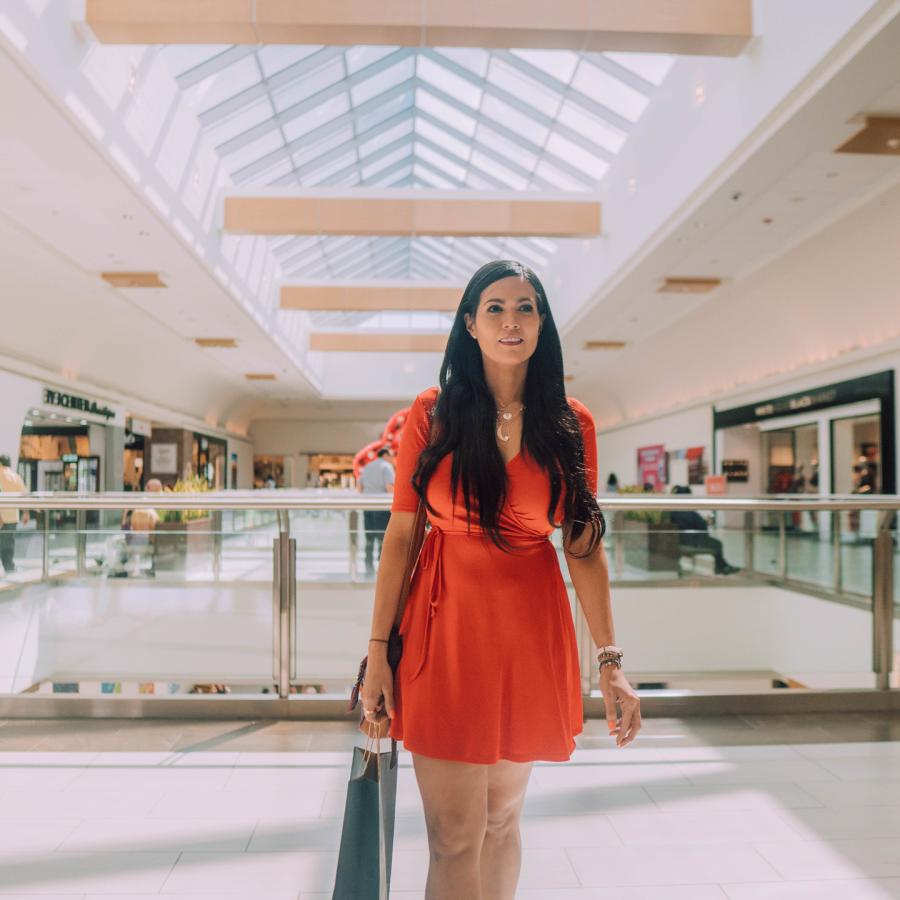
(698, 27)
(400, 295)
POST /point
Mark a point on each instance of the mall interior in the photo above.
(233, 240)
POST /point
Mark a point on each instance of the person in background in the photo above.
(612, 484)
(143, 523)
(376, 478)
(10, 481)
(696, 535)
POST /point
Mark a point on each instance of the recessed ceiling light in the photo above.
(216, 342)
(767, 221)
(133, 279)
(688, 285)
(259, 376)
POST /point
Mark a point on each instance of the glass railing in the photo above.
(270, 593)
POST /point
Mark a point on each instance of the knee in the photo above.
(453, 837)
(502, 820)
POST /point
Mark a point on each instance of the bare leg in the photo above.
(454, 795)
(501, 854)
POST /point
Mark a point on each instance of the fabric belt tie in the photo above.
(430, 564)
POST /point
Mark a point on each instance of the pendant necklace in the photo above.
(503, 418)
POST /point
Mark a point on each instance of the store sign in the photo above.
(140, 426)
(74, 403)
(652, 465)
(715, 485)
(163, 459)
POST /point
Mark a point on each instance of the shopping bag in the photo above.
(367, 837)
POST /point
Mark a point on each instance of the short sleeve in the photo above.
(589, 436)
(413, 440)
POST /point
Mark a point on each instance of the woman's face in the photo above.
(506, 323)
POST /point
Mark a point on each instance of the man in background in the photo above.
(10, 481)
(376, 478)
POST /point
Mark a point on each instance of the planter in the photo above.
(178, 546)
(650, 546)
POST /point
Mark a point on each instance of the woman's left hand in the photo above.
(615, 688)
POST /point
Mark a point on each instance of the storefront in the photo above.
(331, 470)
(838, 438)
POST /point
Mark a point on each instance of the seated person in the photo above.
(696, 536)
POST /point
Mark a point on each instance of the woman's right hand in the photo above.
(377, 693)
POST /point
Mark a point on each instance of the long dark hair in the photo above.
(466, 420)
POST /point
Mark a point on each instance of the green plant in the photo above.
(651, 516)
(192, 485)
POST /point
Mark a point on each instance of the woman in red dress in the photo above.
(489, 678)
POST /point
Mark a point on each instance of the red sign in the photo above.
(715, 484)
(652, 465)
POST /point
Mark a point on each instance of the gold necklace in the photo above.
(503, 418)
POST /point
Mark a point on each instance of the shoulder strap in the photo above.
(415, 545)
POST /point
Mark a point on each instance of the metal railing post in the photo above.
(45, 547)
(749, 539)
(217, 544)
(883, 602)
(619, 548)
(782, 546)
(837, 556)
(353, 525)
(81, 542)
(284, 597)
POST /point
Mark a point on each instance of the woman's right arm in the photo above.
(379, 681)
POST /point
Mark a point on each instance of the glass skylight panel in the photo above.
(513, 122)
(432, 179)
(492, 138)
(370, 145)
(528, 90)
(472, 58)
(360, 57)
(317, 116)
(254, 150)
(592, 129)
(330, 72)
(479, 183)
(240, 122)
(324, 145)
(225, 84)
(275, 58)
(574, 154)
(490, 166)
(383, 81)
(558, 178)
(382, 111)
(558, 63)
(321, 173)
(449, 82)
(439, 136)
(181, 58)
(445, 112)
(652, 67)
(440, 161)
(612, 93)
(379, 165)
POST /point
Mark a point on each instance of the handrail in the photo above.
(288, 500)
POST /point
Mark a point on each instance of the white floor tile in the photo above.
(738, 772)
(805, 860)
(547, 869)
(75, 873)
(306, 778)
(696, 864)
(160, 836)
(38, 778)
(703, 798)
(18, 805)
(222, 874)
(622, 774)
(152, 779)
(842, 794)
(877, 768)
(708, 827)
(878, 822)
(640, 892)
(586, 800)
(239, 805)
(549, 832)
(860, 750)
(858, 889)
(35, 835)
(299, 834)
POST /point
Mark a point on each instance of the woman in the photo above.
(489, 678)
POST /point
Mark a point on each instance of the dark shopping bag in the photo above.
(367, 838)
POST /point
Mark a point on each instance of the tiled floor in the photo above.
(802, 807)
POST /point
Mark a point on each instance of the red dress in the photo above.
(490, 664)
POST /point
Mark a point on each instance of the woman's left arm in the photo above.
(590, 578)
